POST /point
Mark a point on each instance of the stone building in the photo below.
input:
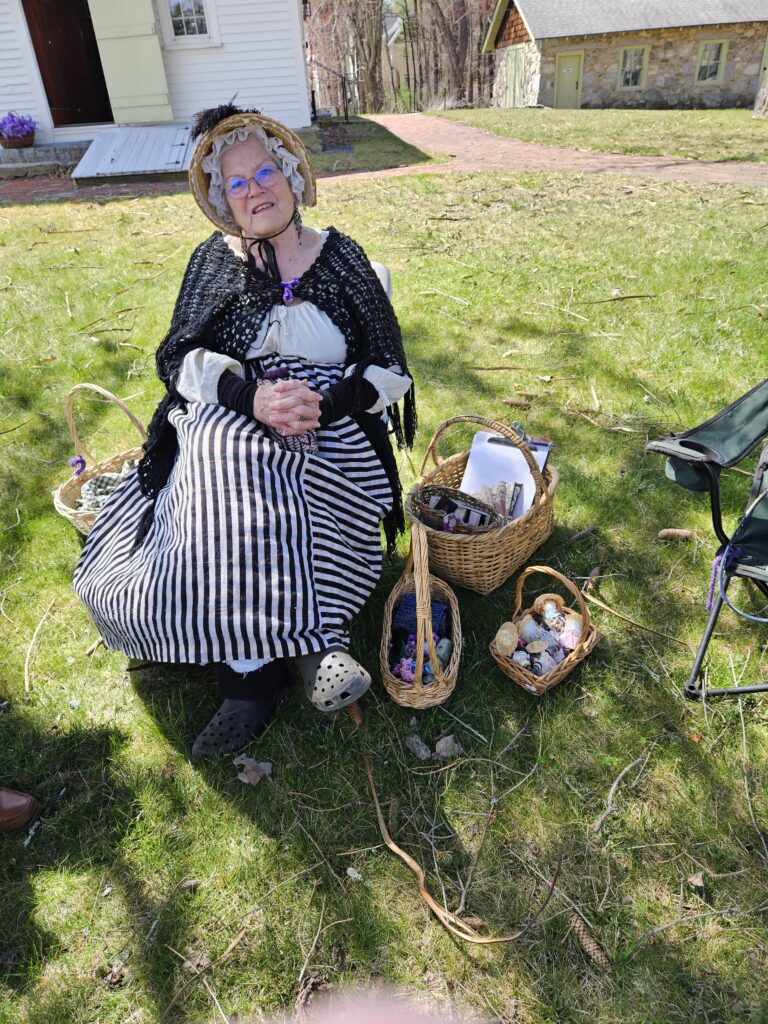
(627, 53)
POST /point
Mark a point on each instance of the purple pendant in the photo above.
(288, 287)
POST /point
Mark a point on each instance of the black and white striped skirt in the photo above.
(255, 553)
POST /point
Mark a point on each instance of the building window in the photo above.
(711, 68)
(633, 67)
(188, 23)
(188, 17)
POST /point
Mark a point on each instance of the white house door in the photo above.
(132, 60)
(568, 80)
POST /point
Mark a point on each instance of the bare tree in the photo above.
(441, 48)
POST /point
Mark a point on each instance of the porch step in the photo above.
(36, 161)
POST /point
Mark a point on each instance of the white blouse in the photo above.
(300, 330)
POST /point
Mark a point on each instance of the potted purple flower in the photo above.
(17, 131)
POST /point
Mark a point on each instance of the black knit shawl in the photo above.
(341, 282)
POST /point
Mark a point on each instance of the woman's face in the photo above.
(264, 209)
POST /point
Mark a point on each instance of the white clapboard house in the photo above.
(131, 73)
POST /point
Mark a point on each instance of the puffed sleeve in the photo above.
(390, 383)
(200, 372)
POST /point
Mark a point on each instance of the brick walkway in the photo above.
(27, 190)
(469, 149)
(476, 150)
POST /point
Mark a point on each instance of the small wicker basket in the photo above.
(65, 496)
(482, 562)
(589, 637)
(417, 580)
(435, 517)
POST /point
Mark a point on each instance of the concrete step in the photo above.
(36, 161)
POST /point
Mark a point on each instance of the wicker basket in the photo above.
(483, 562)
(65, 497)
(17, 141)
(417, 580)
(587, 640)
(434, 517)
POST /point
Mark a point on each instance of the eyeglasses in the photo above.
(265, 177)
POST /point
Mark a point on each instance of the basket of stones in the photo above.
(82, 497)
(539, 646)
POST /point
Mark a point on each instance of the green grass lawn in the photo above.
(524, 272)
(696, 134)
(373, 148)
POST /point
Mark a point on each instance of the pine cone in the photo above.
(588, 942)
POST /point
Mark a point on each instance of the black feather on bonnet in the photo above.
(206, 120)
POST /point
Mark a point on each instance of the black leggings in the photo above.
(264, 682)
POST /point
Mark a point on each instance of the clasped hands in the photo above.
(290, 407)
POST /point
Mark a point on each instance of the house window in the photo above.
(188, 17)
(186, 24)
(711, 68)
(633, 67)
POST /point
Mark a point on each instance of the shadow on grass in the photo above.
(374, 148)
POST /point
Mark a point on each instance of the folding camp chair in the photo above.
(695, 460)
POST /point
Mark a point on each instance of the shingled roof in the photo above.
(553, 19)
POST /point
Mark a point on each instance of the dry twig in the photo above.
(612, 791)
(31, 648)
(632, 622)
(448, 920)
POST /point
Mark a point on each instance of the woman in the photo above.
(250, 532)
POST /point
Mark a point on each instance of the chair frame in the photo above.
(688, 450)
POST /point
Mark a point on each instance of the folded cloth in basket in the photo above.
(405, 616)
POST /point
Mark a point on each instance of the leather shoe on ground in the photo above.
(17, 810)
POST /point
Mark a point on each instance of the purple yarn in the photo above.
(288, 287)
(77, 462)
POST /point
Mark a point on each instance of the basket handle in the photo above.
(568, 584)
(80, 448)
(499, 428)
(418, 565)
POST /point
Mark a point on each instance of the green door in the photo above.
(515, 68)
(568, 80)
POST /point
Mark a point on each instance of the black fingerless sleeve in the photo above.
(236, 394)
(350, 396)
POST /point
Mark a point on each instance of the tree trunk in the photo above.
(761, 103)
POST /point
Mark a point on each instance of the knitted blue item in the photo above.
(405, 616)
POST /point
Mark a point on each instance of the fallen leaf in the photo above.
(253, 771)
(697, 880)
(694, 737)
(474, 922)
(418, 747)
(188, 885)
(448, 747)
(115, 977)
(312, 984)
(196, 962)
